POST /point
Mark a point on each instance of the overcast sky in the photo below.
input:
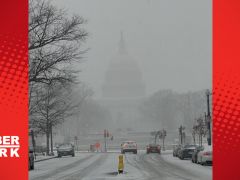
(170, 39)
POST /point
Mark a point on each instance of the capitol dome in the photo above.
(123, 78)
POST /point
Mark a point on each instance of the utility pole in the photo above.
(76, 142)
(209, 138)
(164, 134)
(51, 138)
(181, 128)
(105, 140)
(106, 135)
(194, 134)
(156, 135)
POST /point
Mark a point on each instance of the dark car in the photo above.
(153, 148)
(30, 159)
(65, 150)
(175, 150)
(186, 151)
(195, 154)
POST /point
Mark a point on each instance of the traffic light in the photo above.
(105, 133)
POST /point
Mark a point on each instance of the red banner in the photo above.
(14, 90)
(226, 92)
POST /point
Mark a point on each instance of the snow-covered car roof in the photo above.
(129, 142)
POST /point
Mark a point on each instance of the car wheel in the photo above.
(32, 166)
(59, 155)
(199, 162)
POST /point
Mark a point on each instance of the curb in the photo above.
(45, 159)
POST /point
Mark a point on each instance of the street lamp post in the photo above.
(181, 133)
(164, 134)
(209, 138)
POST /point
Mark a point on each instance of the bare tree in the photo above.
(54, 42)
(199, 128)
(53, 105)
(55, 46)
(167, 108)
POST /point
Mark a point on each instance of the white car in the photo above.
(205, 155)
(129, 146)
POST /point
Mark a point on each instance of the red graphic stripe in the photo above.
(14, 85)
(226, 88)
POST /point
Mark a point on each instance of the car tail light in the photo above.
(159, 147)
(207, 153)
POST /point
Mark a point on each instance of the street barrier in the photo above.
(120, 164)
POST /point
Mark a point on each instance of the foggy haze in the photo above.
(170, 40)
(145, 88)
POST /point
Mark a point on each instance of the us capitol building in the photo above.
(123, 89)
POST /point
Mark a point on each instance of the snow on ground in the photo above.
(52, 165)
(187, 164)
(109, 170)
(104, 166)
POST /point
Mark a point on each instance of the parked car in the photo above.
(186, 151)
(195, 153)
(30, 159)
(205, 155)
(129, 146)
(92, 148)
(153, 148)
(65, 150)
(175, 150)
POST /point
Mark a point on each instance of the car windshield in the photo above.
(189, 146)
(129, 142)
(65, 146)
(153, 145)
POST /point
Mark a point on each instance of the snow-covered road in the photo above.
(103, 166)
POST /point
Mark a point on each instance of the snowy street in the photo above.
(100, 166)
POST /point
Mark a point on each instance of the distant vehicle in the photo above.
(153, 148)
(65, 150)
(205, 155)
(92, 148)
(186, 151)
(129, 146)
(30, 159)
(195, 153)
(175, 150)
